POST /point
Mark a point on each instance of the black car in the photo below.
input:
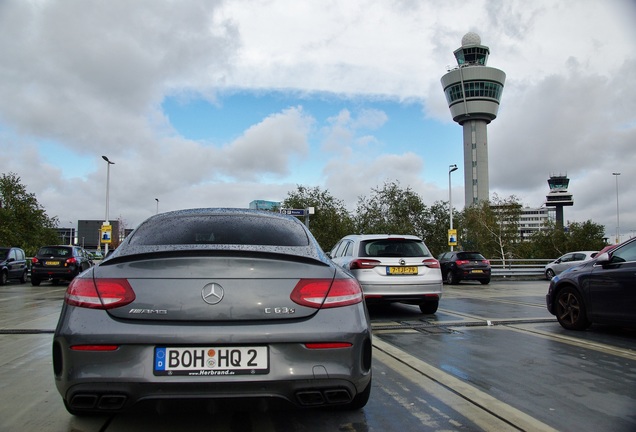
(13, 265)
(461, 265)
(58, 263)
(601, 291)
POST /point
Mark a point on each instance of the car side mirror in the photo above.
(603, 258)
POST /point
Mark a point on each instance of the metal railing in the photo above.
(519, 267)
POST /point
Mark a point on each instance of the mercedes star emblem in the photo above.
(212, 293)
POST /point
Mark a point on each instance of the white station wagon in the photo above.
(392, 268)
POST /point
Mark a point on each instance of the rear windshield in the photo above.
(393, 248)
(220, 229)
(472, 256)
(55, 251)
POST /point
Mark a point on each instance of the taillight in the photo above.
(363, 264)
(486, 261)
(94, 347)
(326, 293)
(461, 262)
(71, 260)
(328, 345)
(34, 260)
(99, 294)
(431, 263)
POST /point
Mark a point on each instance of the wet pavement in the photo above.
(491, 359)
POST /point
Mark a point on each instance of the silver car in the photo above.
(566, 261)
(205, 306)
(392, 268)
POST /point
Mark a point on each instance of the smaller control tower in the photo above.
(559, 196)
(473, 91)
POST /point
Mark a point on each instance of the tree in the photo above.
(390, 210)
(554, 241)
(492, 227)
(394, 210)
(331, 220)
(23, 221)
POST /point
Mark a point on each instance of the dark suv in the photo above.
(460, 265)
(58, 263)
(13, 265)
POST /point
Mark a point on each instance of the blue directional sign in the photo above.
(294, 212)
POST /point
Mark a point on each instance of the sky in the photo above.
(203, 103)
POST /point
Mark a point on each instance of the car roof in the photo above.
(382, 237)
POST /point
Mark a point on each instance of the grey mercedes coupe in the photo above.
(208, 306)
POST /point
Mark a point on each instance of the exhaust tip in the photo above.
(338, 396)
(84, 401)
(310, 398)
(111, 402)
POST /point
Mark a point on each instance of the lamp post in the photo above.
(109, 163)
(618, 225)
(157, 199)
(70, 236)
(451, 168)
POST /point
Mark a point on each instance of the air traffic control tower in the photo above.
(559, 196)
(473, 91)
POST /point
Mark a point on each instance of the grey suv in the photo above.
(13, 265)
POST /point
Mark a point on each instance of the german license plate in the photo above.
(411, 270)
(478, 271)
(52, 263)
(211, 361)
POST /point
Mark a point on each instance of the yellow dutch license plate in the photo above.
(478, 271)
(410, 270)
(52, 263)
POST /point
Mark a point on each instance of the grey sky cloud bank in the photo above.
(79, 79)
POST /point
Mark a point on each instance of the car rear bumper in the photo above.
(471, 275)
(68, 273)
(107, 397)
(415, 293)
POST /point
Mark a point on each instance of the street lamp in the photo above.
(618, 225)
(157, 199)
(109, 163)
(451, 168)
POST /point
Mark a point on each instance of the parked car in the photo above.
(95, 254)
(392, 268)
(566, 261)
(463, 265)
(214, 305)
(13, 265)
(58, 263)
(598, 291)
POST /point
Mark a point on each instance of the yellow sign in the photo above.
(107, 234)
(452, 237)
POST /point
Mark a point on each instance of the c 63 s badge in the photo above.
(280, 310)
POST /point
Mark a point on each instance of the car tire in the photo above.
(23, 278)
(359, 400)
(429, 307)
(35, 281)
(484, 281)
(549, 274)
(4, 277)
(451, 279)
(570, 309)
